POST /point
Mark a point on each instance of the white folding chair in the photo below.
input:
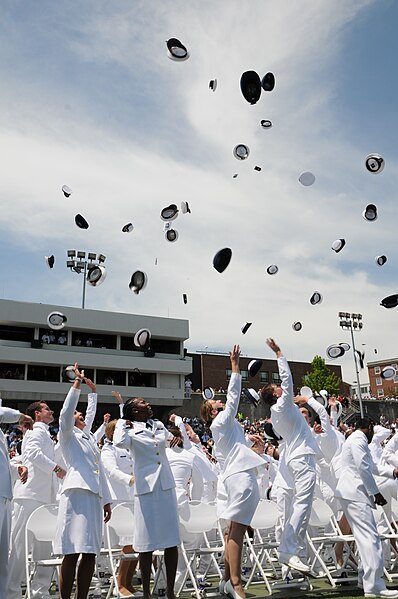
(40, 528)
(263, 541)
(120, 525)
(199, 519)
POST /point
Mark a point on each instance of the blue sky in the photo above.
(90, 99)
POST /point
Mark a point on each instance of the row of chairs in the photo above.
(260, 554)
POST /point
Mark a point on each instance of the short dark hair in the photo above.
(267, 393)
(364, 423)
(36, 406)
(128, 408)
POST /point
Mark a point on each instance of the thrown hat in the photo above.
(338, 245)
(266, 124)
(272, 269)
(316, 298)
(169, 213)
(306, 392)
(222, 259)
(138, 281)
(380, 260)
(257, 168)
(307, 178)
(185, 298)
(69, 373)
(345, 346)
(234, 176)
(374, 163)
(142, 339)
(390, 301)
(81, 222)
(246, 327)
(335, 351)
(250, 86)
(185, 208)
(252, 396)
(297, 326)
(241, 152)
(269, 432)
(388, 373)
(171, 235)
(323, 393)
(66, 191)
(361, 357)
(176, 50)
(56, 320)
(96, 275)
(370, 212)
(50, 260)
(208, 393)
(268, 82)
(254, 366)
(128, 228)
(213, 84)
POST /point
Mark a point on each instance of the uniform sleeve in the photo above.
(286, 399)
(179, 422)
(121, 437)
(390, 451)
(33, 451)
(67, 415)
(233, 396)
(364, 463)
(8, 415)
(111, 468)
(99, 433)
(91, 410)
(196, 481)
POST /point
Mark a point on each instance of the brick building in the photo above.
(380, 388)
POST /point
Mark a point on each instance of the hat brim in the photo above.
(56, 327)
(208, 393)
(138, 343)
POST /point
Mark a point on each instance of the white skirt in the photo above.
(156, 523)
(79, 524)
(243, 497)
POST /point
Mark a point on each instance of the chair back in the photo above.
(321, 514)
(201, 517)
(42, 523)
(265, 516)
(121, 523)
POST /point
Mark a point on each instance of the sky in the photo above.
(91, 100)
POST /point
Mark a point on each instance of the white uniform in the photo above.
(156, 523)
(7, 415)
(38, 456)
(355, 490)
(238, 462)
(84, 490)
(299, 456)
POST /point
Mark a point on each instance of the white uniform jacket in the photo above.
(119, 468)
(357, 482)
(81, 453)
(288, 421)
(187, 476)
(202, 462)
(231, 449)
(390, 452)
(381, 433)
(7, 415)
(329, 441)
(38, 456)
(147, 443)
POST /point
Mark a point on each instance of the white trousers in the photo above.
(16, 567)
(293, 537)
(5, 530)
(363, 525)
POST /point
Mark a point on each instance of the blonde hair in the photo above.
(206, 410)
(110, 429)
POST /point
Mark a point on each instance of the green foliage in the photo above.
(321, 377)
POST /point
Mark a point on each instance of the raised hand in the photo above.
(117, 396)
(274, 346)
(234, 357)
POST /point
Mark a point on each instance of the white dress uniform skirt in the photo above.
(156, 523)
(79, 524)
(243, 497)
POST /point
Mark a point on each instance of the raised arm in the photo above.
(91, 405)
(8, 415)
(67, 415)
(235, 385)
(284, 373)
(121, 437)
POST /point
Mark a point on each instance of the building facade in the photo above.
(33, 357)
(380, 388)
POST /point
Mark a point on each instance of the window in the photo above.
(245, 375)
(44, 373)
(16, 333)
(111, 377)
(12, 371)
(228, 373)
(264, 377)
(379, 381)
(141, 379)
(380, 393)
(275, 378)
(377, 369)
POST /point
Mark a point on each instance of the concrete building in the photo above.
(31, 369)
(380, 388)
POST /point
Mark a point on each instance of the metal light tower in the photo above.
(353, 322)
(82, 262)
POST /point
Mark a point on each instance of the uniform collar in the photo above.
(41, 425)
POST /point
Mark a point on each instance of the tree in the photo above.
(321, 377)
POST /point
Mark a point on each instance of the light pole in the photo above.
(353, 322)
(87, 263)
